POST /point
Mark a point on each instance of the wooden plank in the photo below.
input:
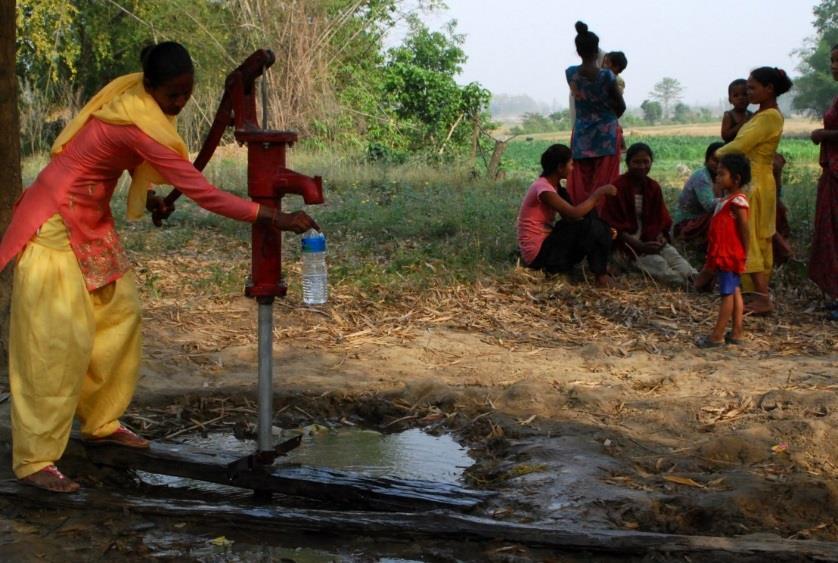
(437, 524)
(338, 488)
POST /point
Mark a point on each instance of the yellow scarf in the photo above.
(125, 102)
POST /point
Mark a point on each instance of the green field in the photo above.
(673, 155)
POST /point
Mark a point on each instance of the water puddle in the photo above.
(412, 454)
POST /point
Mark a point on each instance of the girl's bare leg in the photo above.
(738, 314)
(725, 312)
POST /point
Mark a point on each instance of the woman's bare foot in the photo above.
(759, 306)
(51, 479)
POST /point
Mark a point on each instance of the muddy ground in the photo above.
(626, 428)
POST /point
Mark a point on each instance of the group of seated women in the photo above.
(628, 217)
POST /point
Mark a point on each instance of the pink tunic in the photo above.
(79, 182)
(535, 220)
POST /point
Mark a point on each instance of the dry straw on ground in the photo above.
(520, 309)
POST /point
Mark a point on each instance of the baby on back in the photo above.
(616, 62)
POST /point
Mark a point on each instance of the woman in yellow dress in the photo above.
(758, 140)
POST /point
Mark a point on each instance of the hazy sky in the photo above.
(523, 46)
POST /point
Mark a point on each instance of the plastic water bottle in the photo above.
(315, 279)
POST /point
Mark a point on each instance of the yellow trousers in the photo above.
(72, 351)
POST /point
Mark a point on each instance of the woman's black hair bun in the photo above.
(581, 28)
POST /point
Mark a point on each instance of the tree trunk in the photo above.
(475, 140)
(493, 169)
(9, 157)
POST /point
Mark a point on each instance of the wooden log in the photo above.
(338, 488)
(432, 525)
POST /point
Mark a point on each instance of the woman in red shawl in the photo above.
(642, 222)
(823, 264)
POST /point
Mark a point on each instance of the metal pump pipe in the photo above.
(265, 385)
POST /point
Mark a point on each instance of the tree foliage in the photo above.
(540, 123)
(419, 82)
(333, 79)
(668, 92)
(815, 88)
(46, 45)
(652, 111)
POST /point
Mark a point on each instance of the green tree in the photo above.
(539, 123)
(68, 49)
(46, 45)
(652, 111)
(419, 82)
(682, 113)
(668, 92)
(533, 123)
(332, 79)
(815, 88)
(561, 120)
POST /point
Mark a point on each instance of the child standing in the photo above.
(727, 248)
(734, 119)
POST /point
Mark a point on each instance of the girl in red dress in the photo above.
(727, 247)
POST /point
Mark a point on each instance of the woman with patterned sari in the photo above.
(596, 136)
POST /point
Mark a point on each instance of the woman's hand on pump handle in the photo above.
(159, 208)
(298, 221)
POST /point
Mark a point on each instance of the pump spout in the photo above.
(290, 182)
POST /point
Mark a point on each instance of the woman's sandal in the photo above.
(733, 341)
(121, 437)
(705, 342)
(51, 479)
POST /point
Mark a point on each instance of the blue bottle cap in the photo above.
(316, 243)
